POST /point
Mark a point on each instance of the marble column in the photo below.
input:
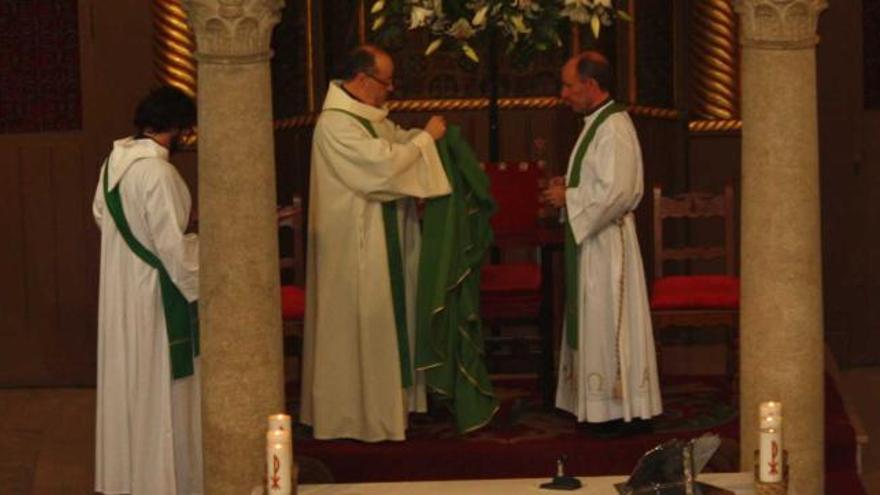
(242, 357)
(781, 295)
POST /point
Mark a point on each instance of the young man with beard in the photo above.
(148, 424)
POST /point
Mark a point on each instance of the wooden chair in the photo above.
(696, 300)
(292, 265)
(511, 292)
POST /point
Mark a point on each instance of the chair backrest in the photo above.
(691, 206)
(290, 244)
(516, 189)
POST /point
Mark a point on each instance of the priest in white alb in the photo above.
(148, 423)
(608, 367)
(359, 379)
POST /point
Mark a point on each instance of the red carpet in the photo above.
(525, 441)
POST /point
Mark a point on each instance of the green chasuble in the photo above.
(455, 236)
(572, 270)
(181, 319)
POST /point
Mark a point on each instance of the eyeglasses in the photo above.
(383, 82)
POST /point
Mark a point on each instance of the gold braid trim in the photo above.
(473, 104)
(428, 366)
(660, 113)
(307, 120)
(459, 281)
(715, 60)
(174, 46)
(472, 380)
(464, 334)
(715, 125)
(484, 423)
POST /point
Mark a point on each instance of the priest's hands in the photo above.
(436, 127)
(554, 194)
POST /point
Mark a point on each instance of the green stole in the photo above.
(181, 325)
(572, 312)
(395, 269)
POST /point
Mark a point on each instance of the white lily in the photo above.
(480, 17)
(434, 46)
(526, 5)
(419, 16)
(470, 53)
(595, 25)
(577, 10)
(461, 29)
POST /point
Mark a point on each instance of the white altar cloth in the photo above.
(738, 483)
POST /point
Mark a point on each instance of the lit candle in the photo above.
(279, 462)
(279, 422)
(770, 452)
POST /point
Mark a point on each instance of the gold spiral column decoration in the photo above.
(174, 46)
(715, 60)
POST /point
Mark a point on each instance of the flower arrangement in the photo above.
(527, 25)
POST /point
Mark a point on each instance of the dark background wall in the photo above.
(49, 248)
(48, 253)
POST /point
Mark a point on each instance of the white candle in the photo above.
(770, 408)
(279, 422)
(279, 462)
(770, 452)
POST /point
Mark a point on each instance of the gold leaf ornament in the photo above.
(377, 6)
(378, 22)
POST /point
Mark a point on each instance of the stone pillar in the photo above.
(242, 357)
(781, 293)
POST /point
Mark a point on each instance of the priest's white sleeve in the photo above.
(379, 168)
(98, 205)
(607, 193)
(167, 214)
(402, 135)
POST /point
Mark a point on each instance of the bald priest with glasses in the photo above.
(363, 256)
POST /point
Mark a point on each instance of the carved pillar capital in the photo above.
(779, 24)
(233, 31)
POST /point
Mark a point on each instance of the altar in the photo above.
(738, 483)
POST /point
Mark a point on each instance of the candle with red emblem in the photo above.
(279, 462)
(770, 453)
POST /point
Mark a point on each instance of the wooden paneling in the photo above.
(48, 295)
(13, 301)
(49, 249)
(849, 178)
(73, 352)
(39, 238)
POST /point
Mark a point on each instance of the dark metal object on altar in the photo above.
(672, 468)
(561, 481)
